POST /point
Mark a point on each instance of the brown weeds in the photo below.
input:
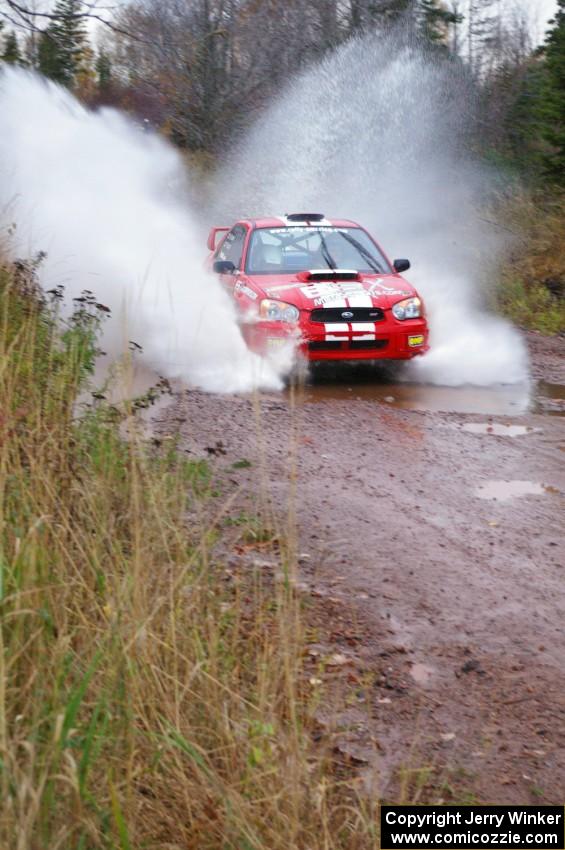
(149, 697)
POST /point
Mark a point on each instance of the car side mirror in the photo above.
(224, 267)
(401, 265)
(212, 236)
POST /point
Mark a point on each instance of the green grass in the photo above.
(149, 698)
(531, 289)
(532, 306)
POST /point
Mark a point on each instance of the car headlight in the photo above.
(278, 311)
(410, 308)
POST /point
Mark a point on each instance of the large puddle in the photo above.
(352, 382)
(382, 386)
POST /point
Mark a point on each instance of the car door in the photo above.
(231, 250)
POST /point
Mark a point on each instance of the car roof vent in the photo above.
(305, 216)
(332, 274)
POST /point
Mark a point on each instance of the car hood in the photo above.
(367, 291)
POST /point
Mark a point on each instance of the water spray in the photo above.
(110, 206)
(378, 132)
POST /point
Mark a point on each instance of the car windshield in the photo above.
(286, 250)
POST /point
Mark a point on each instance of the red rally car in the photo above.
(324, 282)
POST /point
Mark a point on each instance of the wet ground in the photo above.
(431, 521)
(367, 382)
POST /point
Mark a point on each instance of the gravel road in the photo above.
(440, 534)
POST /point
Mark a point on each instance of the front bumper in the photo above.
(387, 340)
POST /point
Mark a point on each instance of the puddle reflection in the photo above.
(367, 382)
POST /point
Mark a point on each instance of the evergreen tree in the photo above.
(48, 56)
(62, 45)
(435, 20)
(551, 108)
(103, 70)
(11, 53)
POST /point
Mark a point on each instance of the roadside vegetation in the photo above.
(150, 696)
(532, 282)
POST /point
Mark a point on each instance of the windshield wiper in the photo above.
(363, 251)
(325, 252)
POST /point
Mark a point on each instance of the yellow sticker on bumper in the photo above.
(415, 340)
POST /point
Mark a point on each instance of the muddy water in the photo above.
(380, 384)
(551, 398)
(362, 383)
(517, 400)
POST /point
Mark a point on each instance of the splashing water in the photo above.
(108, 203)
(377, 132)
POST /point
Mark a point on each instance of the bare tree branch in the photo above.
(24, 16)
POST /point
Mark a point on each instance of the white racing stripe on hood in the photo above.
(324, 295)
(360, 299)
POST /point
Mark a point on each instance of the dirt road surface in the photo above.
(437, 538)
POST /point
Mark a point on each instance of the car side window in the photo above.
(232, 246)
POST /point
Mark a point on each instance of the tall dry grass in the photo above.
(149, 697)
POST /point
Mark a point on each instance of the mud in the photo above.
(498, 429)
(450, 605)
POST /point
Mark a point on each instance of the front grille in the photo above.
(324, 346)
(368, 343)
(360, 314)
(349, 345)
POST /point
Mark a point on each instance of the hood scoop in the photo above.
(331, 274)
